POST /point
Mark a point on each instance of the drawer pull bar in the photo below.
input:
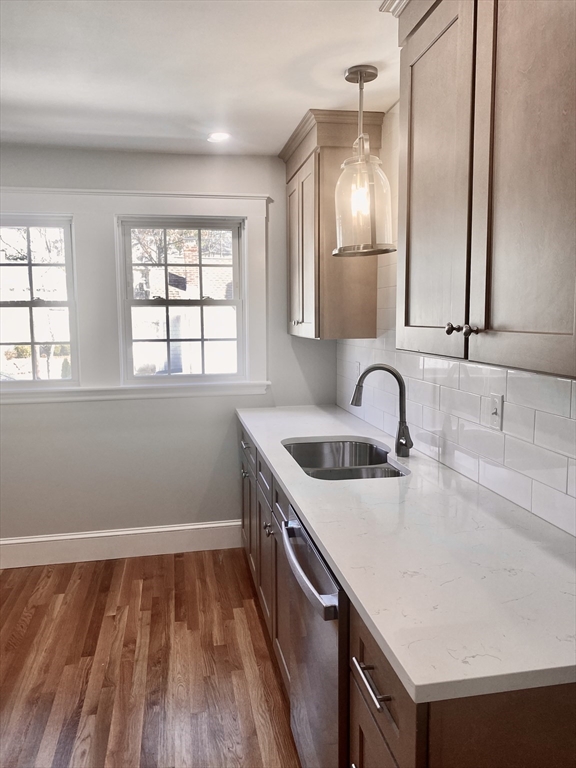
(362, 670)
(244, 445)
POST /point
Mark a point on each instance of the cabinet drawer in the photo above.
(368, 748)
(264, 477)
(402, 722)
(280, 501)
(247, 449)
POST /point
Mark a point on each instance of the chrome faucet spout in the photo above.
(403, 439)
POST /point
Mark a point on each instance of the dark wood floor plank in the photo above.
(150, 662)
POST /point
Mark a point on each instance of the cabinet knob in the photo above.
(451, 328)
(469, 330)
(268, 529)
(244, 473)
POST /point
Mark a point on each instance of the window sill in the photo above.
(132, 392)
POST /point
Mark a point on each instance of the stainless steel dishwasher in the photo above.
(318, 654)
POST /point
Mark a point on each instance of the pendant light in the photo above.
(363, 203)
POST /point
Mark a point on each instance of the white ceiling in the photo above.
(159, 75)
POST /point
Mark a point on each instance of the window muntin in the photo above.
(184, 305)
(36, 307)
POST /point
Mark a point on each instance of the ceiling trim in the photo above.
(395, 7)
(128, 192)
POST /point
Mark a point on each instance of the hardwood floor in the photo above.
(148, 662)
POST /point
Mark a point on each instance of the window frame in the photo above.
(66, 223)
(125, 224)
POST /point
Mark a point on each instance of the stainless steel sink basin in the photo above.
(354, 473)
(337, 453)
(344, 459)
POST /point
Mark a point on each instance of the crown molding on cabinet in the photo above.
(395, 7)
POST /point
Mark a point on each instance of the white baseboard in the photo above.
(122, 542)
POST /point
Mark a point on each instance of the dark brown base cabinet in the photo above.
(533, 728)
(264, 509)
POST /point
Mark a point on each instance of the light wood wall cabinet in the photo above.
(487, 239)
(330, 297)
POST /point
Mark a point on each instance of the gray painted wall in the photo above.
(123, 464)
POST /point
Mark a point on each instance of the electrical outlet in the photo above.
(496, 406)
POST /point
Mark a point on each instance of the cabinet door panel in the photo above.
(266, 552)
(281, 600)
(245, 521)
(294, 262)
(436, 117)
(254, 551)
(307, 181)
(523, 272)
(368, 748)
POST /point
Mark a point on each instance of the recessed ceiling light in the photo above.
(218, 136)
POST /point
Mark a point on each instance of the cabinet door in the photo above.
(523, 270)
(436, 118)
(266, 553)
(245, 519)
(302, 216)
(281, 601)
(254, 550)
(367, 746)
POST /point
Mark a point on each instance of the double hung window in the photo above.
(36, 301)
(183, 310)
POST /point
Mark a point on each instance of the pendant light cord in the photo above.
(360, 104)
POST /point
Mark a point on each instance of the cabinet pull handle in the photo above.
(244, 445)
(469, 330)
(244, 474)
(450, 329)
(352, 765)
(363, 670)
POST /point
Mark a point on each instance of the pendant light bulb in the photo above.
(363, 200)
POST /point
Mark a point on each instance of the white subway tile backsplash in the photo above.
(459, 459)
(374, 416)
(440, 371)
(440, 423)
(426, 442)
(387, 297)
(390, 424)
(458, 403)
(555, 507)
(424, 393)
(486, 442)
(413, 413)
(387, 276)
(573, 406)
(556, 433)
(482, 379)
(544, 393)
(518, 421)
(506, 482)
(411, 365)
(346, 368)
(542, 465)
(386, 402)
(572, 477)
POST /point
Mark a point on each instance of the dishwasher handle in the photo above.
(325, 605)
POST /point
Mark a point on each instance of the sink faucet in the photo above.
(403, 439)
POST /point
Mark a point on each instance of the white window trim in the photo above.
(66, 222)
(125, 278)
(107, 205)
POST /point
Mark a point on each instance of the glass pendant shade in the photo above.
(363, 205)
(363, 202)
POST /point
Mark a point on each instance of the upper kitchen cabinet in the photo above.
(487, 199)
(523, 256)
(330, 297)
(437, 77)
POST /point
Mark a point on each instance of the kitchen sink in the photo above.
(344, 459)
(354, 473)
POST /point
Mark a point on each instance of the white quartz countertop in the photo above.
(465, 592)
